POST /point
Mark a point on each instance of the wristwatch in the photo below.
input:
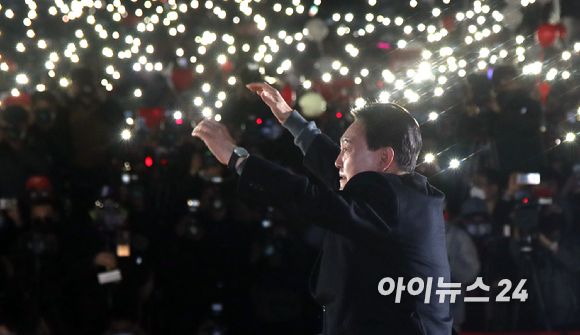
(238, 152)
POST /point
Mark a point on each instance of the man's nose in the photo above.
(338, 161)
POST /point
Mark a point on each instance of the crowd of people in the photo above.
(147, 235)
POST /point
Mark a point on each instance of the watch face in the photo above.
(241, 151)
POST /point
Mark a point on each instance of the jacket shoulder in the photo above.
(375, 187)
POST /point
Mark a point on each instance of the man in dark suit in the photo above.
(383, 219)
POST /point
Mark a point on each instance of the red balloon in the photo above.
(131, 21)
(228, 66)
(544, 89)
(562, 30)
(336, 90)
(448, 22)
(547, 35)
(247, 29)
(12, 67)
(153, 116)
(289, 95)
(182, 78)
(23, 99)
(38, 183)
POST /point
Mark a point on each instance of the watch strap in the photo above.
(233, 160)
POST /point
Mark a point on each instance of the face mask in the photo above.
(45, 224)
(477, 192)
(44, 116)
(87, 94)
(14, 133)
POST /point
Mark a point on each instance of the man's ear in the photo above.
(387, 158)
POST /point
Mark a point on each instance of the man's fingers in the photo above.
(213, 123)
(207, 129)
(208, 124)
(255, 87)
(201, 132)
(266, 92)
(258, 87)
(267, 98)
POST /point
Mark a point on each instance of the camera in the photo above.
(8, 204)
(528, 212)
(528, 178)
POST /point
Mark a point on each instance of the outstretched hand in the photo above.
(273, 99)
(217, 138)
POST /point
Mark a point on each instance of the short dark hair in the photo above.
(14, 115)
(503, 72)
(390, 125)
(42, 96)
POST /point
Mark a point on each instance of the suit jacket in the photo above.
(380, 225)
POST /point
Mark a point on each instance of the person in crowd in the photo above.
(50, 126)
(464, 264)
(476, 220)
(19, 157)
(95, 124)
(555, 256)
(51, 259)
(93, 121)
(486, 186)
(517, 125)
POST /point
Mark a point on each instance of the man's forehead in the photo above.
(351, 133)
(345, 139)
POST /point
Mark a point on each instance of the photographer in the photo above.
(544, 251)
(556, 257)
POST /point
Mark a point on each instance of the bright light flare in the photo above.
(360, 103)
(126, 134)
(206, 112)
(384, 97)
(454, 164)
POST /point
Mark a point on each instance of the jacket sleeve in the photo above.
(360, 213)
(319, 150)
(320, 159)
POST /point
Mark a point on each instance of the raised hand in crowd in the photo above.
(273, 99)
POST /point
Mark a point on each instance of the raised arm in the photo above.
(363, 212)
(320, 152)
